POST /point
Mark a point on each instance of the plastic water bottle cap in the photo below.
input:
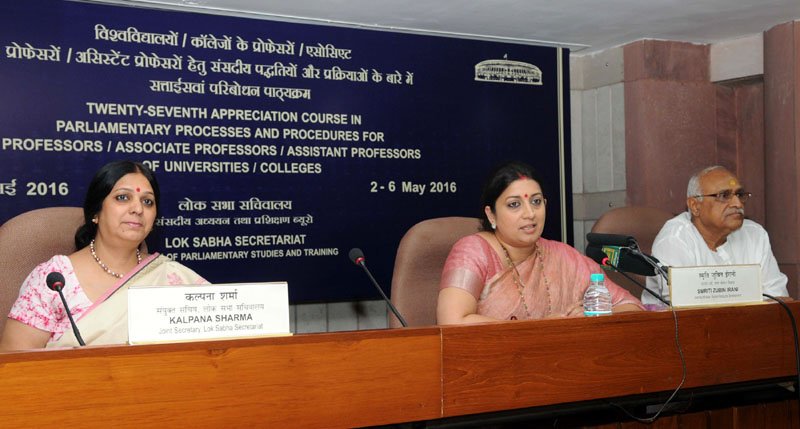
(596, 277)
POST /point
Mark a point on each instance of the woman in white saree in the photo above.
(120, 209)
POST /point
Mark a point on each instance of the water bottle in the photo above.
(597, 298)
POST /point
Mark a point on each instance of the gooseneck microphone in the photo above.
(55, 281)
(622, 253)
(357, 256)
(604, 262)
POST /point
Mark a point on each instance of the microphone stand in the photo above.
(385, 298)
(71, 320)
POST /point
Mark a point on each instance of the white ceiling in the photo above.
(584, 25)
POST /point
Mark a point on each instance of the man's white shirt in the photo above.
(679, 244)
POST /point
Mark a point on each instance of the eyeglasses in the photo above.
(727, 195)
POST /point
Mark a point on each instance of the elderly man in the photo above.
(713, 231)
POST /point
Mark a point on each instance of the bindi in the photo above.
(138, 190)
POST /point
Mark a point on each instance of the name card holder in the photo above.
(160, 314)
(715, 285)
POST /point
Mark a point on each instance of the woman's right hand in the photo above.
(457, 306)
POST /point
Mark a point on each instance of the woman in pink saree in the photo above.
(508, 271)
(120, 209)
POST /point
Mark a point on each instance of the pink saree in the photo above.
(551, 281)
(106, 321)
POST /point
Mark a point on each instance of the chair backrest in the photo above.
(643, 223)
(418, 267)
(30, 239)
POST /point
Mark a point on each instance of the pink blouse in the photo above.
(41, 308)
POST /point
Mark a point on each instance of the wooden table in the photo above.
(396, 375)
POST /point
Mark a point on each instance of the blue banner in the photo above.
(278, 146)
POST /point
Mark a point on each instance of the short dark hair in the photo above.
(101, 185)
(497, 182)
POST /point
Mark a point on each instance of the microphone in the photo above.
(607, 264)
(623, 252)
(357, 256)
(623, 258)
(55, 281)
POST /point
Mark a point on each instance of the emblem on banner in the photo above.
(508, 71)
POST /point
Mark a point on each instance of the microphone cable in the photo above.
(674, 392)
(796, 341)
(650, 260)
(680, 353)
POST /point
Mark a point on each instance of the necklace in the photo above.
(518, 281)
(104, 266)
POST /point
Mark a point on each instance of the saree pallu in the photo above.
(106, 321)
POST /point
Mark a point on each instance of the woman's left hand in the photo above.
(575, 311)
(622, 308)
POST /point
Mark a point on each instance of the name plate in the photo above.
(715, 285)
(158, 314)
